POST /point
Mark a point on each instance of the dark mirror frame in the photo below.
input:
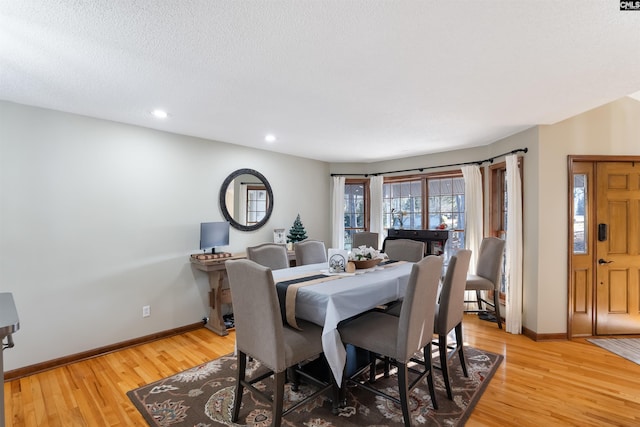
(223, 205)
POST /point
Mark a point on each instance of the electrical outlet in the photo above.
(146, 311)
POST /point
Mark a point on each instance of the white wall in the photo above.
(98, 219)
(612, 129)
(526, 139)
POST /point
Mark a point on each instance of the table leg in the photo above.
(215, 323)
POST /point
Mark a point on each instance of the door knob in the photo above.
(601, 261)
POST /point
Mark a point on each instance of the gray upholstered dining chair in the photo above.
(310, 252)
(449, 313)
(487, 276)
(399, 338)
(404, 249)
(365, 238)
(270, 255)
(260, 334)
(401, 250)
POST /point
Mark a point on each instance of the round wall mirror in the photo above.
(246, 199)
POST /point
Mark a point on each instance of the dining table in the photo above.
(327, 302)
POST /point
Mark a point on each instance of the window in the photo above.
(446, 203)
(446, 206)
(356, 209)
(441, 196)
(402, 204)
(256, 204)
(498, 215)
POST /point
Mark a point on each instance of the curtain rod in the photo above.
(478, 162)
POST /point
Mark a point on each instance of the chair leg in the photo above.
(372, 370)
(460, 345)
(240, 376)
(479, 299)
(372, 367)
(429, 365)
(278, 397)
(442, 347)
(403, 389)
(496, 303)
(292, 377)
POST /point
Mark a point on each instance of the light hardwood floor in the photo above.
(562, 383)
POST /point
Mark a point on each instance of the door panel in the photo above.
(581, 249)
(618, 253)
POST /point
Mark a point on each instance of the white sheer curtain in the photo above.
(473, 227)
(375, 217)
(513, 269)
(337, 213)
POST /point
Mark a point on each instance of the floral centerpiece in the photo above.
(365, 257)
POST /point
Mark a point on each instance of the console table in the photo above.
(219, 291)
(434, 240)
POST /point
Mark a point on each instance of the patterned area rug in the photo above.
(629, 348)
(203, 396)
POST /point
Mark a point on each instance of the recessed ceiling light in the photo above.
(270, 138)
(160, 114)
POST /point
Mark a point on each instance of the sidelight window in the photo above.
(579, 218)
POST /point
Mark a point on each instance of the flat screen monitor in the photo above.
(214, 234)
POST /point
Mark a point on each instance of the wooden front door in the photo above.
(617, 254)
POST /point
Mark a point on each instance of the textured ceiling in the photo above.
(357, 80)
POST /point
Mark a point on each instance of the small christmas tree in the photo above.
(297, 232)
